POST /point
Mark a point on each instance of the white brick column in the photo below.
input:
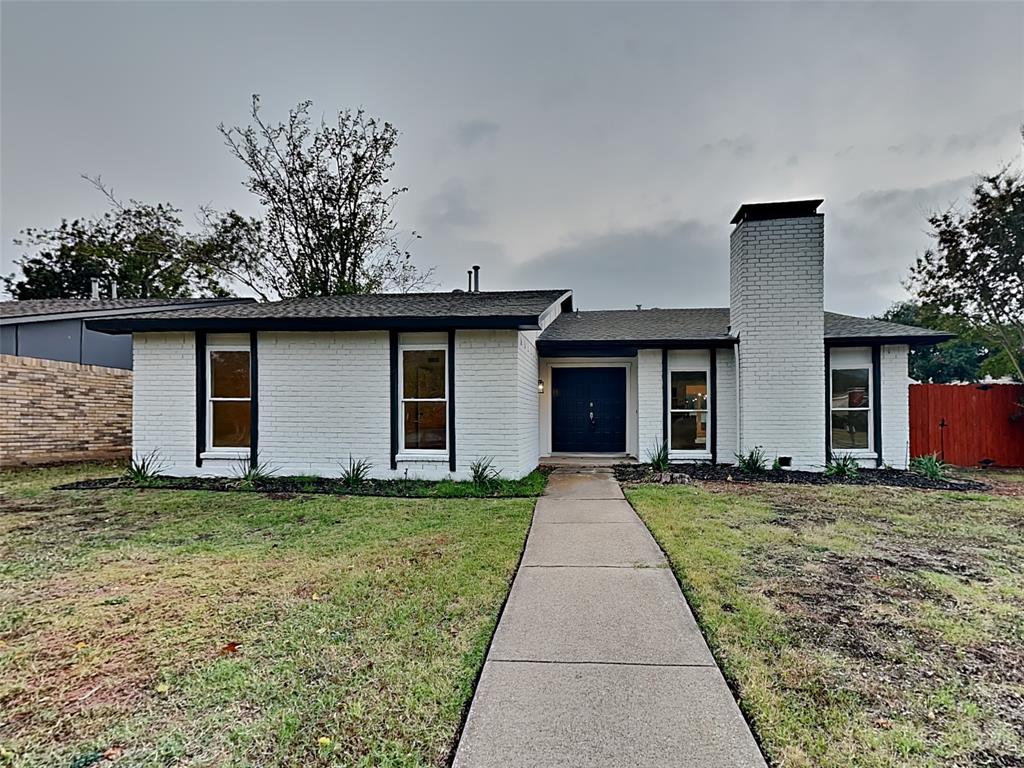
(895, 405)
(776, 271)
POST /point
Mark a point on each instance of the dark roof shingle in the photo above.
(356, 311)
(708, 325)
(42, 307)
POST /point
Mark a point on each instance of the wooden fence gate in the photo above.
(968, 424)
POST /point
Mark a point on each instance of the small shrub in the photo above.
(252, 473)
(842, 466)
(754, 462)
(658, 457)
(356, 472)
(776, 465)
(483, 473)
(145, 470)
(929, 466)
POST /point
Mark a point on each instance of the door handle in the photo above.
(591, 418)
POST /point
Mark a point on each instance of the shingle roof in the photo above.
(640, 325)
(40, 308)
(708, 325)
(505, 309)
(849, 326)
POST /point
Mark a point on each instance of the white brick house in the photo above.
(422, 385)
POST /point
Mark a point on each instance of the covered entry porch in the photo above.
(588, 409)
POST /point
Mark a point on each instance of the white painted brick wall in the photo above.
(527, 403)
(895, 405)
(487, 393)
(725, 414)
(777, 310)
(164, 399)
(322, 397)
(649, 402)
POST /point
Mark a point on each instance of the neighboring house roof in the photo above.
(374, 311)
(42, 310)
(705, 327)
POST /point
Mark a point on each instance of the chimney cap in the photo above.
(785, 209)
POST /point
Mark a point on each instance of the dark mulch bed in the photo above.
(282, 487)
(681, 473)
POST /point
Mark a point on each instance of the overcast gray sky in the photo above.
(599, 147)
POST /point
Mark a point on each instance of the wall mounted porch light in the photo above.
(540, 386)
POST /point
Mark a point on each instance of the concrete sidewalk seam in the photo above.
(641, 567)
(606, 663)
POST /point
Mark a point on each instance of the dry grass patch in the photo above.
(197, 628)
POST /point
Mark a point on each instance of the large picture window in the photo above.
(229, 403)
(688, 411)
(851, 408)
(424, 399)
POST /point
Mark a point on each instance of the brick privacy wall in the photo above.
(776, 275)
(58, 411)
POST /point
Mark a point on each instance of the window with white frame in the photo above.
(850, 397)
(424, 378)
(688, 411)
(229, 398)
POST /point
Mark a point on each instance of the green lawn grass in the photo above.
(209, 628)
(860, 626)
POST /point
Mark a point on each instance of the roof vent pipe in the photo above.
(113, 289)
(476, 278)
(95, 289)
(469, 280)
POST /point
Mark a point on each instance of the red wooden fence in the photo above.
(967, 424)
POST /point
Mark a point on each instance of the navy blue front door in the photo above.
(588, 410)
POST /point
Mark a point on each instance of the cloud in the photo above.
(872, 240)
(914, 202)
(917, 145)
(991, 135)
(477, 133)
(450, 208)
(669, 264)
(738, 147)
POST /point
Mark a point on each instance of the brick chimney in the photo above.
(776, 308)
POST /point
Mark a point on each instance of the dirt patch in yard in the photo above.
(898, 611)
(871, 626)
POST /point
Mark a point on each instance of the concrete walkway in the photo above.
(597, 660)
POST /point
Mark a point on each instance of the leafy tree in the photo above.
(141, 247)
(975, 272)
(956, 360)
(327, 225)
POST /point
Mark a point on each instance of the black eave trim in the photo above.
(394, 398)
(828, 405)
(451, 399)
(664, 395)
(713, 416)
(254, 400)
(876, 399)
(131, 324)
(200, 396)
